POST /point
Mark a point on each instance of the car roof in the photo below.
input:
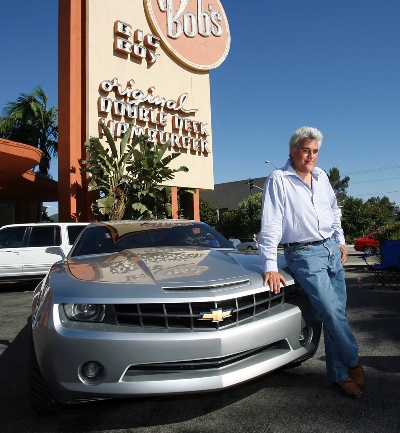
(122, 227)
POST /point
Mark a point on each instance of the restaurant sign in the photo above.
(195, 32)
(188, 134)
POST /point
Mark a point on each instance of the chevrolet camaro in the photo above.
(142, 308)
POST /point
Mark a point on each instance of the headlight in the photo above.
(85, 312)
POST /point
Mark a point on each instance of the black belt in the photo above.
(292, 244)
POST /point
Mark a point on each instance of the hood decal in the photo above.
(145, 266)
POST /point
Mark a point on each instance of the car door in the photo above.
(11, 242)
(35, 259)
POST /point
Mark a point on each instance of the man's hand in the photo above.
(344, 253)
(273, 280)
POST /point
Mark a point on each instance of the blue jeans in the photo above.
(318, 269)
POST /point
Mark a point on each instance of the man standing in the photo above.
(300, 212)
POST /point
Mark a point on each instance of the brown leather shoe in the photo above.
(357, 374)
(349, 387)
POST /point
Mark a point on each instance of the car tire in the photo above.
(40, 398)
(369, 249)
(249, 248)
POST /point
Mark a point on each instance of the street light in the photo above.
(269, 162)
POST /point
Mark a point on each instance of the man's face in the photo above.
(305, 157)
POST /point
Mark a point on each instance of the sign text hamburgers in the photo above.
(186, 133)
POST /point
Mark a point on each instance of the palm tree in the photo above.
(29, 120)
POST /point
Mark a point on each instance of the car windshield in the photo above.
(104, 238)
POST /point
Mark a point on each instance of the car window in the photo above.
(73, 232)
(12, 237)
(45, 236)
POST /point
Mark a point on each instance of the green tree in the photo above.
(382, 210)
(390, 231)
(339, 185)
(208, 213)
(230, 224)
(183, 194)
(129, 178)
(45, 216)
(249, 214)
(356, 218)
(28, 120)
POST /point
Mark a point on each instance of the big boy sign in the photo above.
(195, 32)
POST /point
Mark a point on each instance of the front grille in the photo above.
(186, 315)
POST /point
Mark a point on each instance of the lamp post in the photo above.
(269, 162)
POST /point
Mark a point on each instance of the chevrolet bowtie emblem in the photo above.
(216, 315)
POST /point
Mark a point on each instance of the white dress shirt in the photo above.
(294, 212)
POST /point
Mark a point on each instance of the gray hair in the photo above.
(305, 132)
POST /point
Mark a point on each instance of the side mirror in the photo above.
(57, 251)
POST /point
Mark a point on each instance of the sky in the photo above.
(330, 64)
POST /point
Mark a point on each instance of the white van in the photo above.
(23, 248)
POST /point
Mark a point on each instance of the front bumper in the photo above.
(153, 362)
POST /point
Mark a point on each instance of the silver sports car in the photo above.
(160, 307)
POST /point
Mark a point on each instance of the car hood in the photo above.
(166, 266)
(156, 274)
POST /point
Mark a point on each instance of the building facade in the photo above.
(227, 196)
(22, 191)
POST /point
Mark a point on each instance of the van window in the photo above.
(73, 232)
(12, 237)
(45, 236)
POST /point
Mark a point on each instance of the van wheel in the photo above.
(249, 248)
(40, 398)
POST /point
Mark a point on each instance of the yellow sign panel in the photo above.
(137, 73)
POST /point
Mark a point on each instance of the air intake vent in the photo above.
(217, 286)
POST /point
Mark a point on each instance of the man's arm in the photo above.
(337, 225)
(344, 253)
(271, 233)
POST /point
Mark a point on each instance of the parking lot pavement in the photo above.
(291, 400)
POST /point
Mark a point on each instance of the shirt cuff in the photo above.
(270, 266)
